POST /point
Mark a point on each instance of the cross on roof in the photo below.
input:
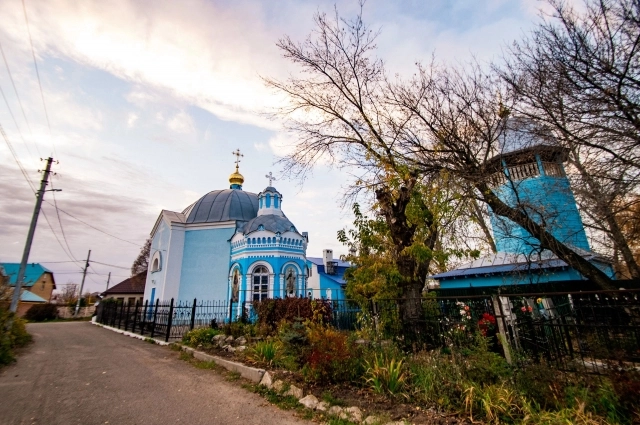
(271, 178)
(238, 155)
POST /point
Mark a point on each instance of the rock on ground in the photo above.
(267, 380)
(310, 401)
(295, 391)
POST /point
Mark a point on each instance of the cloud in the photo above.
(131, 119)
(181, 123)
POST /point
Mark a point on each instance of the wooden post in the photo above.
(504, 341)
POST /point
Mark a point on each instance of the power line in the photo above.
(35, 64)
(15, 90)
(55, 203)
(112, 265)
(6, 102)
(93, 227)
(15, 157)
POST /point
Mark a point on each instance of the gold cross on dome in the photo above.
(238, 155)
(271, 178)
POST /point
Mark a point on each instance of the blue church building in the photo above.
(228, 245)
(528, 173)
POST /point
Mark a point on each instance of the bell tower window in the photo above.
(260, 282)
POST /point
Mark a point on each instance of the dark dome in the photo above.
(271, 222)
(223, 205)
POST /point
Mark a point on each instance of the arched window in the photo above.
(261, 227)
(264, 240)
(268, 240)
(253, 241)
(156, 262)
(268, 200)
(275, 201)
(260, 283)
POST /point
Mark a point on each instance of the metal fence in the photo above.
(588, 331)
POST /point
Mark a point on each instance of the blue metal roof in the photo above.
(30, 297)
(31, 275)
(501, 269)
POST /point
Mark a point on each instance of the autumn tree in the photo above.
(578, 75)
(141, 264)
(335, 110)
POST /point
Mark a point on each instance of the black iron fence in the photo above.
(589, 331)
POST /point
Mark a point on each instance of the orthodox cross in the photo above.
(238, 155)
(270, 177)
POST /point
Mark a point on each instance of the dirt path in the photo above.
(77, 373)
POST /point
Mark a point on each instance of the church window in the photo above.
(253, 241)
(268, 240)
(268, 200)
(156, 265)
(264, 240)
(275, 201)
(292, 229)
(260, 283)
(261, 227)
(260, 202)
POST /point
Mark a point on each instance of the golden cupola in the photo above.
(236, 179)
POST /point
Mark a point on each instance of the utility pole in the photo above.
(108, 279)
(84, 275)
(32, 231)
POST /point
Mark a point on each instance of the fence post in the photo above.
(120, 315)
(135, 317)
(144, 316)
(126, 317)
(193, 314)
(155, 313)
(170, 321)
(497, 309)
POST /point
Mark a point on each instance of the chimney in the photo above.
(327, 255)
(329, 265)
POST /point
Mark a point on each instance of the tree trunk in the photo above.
(546, 239)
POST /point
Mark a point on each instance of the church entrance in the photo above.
(260, 283)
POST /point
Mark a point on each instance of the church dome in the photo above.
(270, 222)
(236, 178)
(223, 205)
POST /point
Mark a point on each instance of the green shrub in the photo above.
(200, 336)
(16, 337)
(386, 375)
(266, 351)
(238, 329)
(42, 312)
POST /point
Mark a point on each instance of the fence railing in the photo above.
(590, 330)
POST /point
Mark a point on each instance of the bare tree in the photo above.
(141, 264)
(69, 294)
(578, 74)
(335, 109)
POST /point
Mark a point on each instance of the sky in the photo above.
(142, 102)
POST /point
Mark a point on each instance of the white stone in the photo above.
(310, 401)
(322, 406)
(241, 348)
(278, 385)
(335, 410)
(266, 380)
(217, 337)
(229, 339)
(240, 341)
(371, 420)
(353, 413)
(295, 391)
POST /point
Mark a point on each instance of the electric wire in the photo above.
(35, 64)
(15, 90)
(53, 193)
(93, 227)
(112, 265)
(6, 102)
(15, 157)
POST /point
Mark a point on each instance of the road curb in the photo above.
(131, 334)
(247, 372)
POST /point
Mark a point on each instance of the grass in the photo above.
(232, 376)
(331, 400)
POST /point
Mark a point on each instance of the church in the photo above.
(228, 245)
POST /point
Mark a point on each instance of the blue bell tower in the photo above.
(529, 173)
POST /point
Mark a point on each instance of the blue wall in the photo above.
(545, 198)
(205, 264)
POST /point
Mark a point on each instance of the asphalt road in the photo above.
(78, 373)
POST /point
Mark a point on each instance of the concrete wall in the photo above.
(66, 312)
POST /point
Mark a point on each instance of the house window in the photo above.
(131, 301)
(260, 283)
